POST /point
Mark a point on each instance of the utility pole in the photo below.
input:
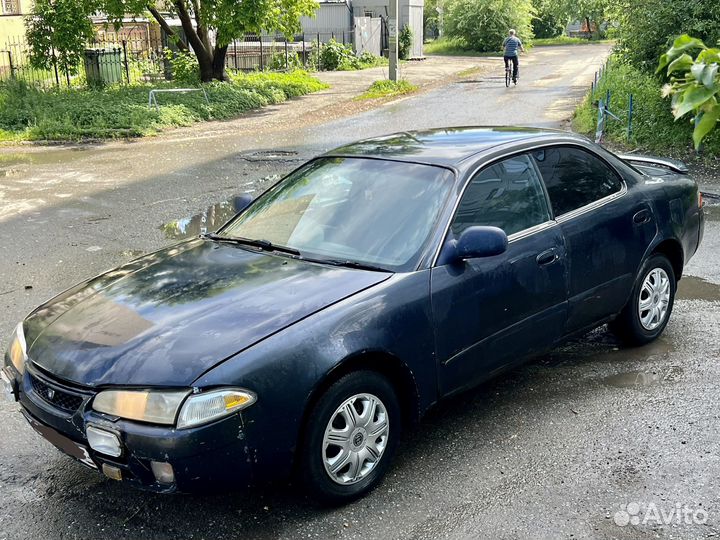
(393, 39)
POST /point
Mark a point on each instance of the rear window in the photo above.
(574, 177)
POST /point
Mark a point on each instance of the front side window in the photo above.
(507, 194)
(369, 211)
(574, 177)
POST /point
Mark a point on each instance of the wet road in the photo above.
(553, 449)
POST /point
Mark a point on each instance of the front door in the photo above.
(491, 312)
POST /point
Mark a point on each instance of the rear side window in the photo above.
(574, 177)
(507, 194)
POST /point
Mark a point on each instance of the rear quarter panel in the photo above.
(674, 198)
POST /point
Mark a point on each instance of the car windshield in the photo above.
(367, 211)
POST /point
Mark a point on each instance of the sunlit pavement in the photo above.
(589, 441)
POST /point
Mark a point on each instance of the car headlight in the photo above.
(208, 406)
(18, 349)
(157, 407)
(161, 407)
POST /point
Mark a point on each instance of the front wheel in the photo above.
(647, 313)
(351, 436)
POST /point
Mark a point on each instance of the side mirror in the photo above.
(241, 202)
(480, 241)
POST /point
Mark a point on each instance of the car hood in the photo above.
(166, 318)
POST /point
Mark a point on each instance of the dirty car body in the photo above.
(212, 356)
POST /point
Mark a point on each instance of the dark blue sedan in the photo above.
(345, 301)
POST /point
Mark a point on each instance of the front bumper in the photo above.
(207, 456)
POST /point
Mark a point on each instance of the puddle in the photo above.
(636, 379)
(207, 221)
(695, 288)
(217, 214)
(272, 155)
(712, 212)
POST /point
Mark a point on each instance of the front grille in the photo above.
(61, 399)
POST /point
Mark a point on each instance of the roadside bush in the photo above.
(405, 40)
(481, 25)
(386, 88)
(647, 29)
(121, 111)
(654, 127)
(279, 61)
(546, 25)
(185, 69)
(334, 56)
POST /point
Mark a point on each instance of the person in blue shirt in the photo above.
(511, 46)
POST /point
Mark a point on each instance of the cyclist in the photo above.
(511, 44)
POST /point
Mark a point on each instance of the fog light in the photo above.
(105, 442)
(112, 472)
(163, 472)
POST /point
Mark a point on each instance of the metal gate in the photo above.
(368, 35)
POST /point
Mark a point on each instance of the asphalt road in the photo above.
(553, 449)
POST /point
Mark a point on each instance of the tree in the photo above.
(223, 20)
(647, 29)
(57, 32)
(209, 25)
(483, 24)
(694, 83)
(592, 12)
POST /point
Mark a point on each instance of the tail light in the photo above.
(700, 199)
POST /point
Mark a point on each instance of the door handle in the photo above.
(547, 257)
(641, 217)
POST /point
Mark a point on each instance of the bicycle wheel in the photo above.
(507, 77)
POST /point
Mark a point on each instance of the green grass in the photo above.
(27, 113)
(560, 40)
(453, 47)
(457, 47)
(382, 89)
(654, 128)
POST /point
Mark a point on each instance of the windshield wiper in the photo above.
(265, 245)
(350, 264)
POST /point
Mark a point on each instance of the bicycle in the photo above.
(509, 74)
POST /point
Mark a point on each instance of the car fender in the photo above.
(286, 370)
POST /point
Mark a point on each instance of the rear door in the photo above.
(607, 230)
(490, 312)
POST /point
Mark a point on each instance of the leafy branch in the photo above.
(694, 83)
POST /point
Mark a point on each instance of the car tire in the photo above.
(344, 456)
(637, 323)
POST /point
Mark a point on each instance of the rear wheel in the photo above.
(647, 313)
(508, 76)
(351, 436)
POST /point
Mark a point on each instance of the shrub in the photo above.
(647, 29)
(405, 40)
(281, 62)
(121, 111)
(185, 69)
(482, 25)
(334, 56)
(654, 127)
(385, 88)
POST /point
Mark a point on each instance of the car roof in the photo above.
(446, 146)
